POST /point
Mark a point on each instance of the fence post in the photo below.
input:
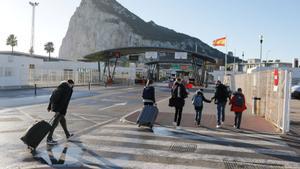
(286, 102)
(35, 89)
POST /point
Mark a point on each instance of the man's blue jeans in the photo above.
(220, 112)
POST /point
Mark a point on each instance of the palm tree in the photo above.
(12, 41)
(49, 48)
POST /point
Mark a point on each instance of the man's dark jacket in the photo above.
(60, 98)
(221, 93)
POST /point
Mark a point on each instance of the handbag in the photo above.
(172, 102)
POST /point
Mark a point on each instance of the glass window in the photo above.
(1, 71)
(8, 71)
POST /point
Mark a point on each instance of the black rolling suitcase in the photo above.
(147, 116)
(36, 133)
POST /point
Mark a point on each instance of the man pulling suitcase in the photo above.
(59, 102)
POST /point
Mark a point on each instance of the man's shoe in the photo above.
(234, 126)
(218, 126)
(51, 142)
(178, 127)
(70, 135)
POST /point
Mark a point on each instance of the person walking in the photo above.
(238, 105)
(220, 98)
(197, 101)
(58, 103)
(149, 93)
(179, 93)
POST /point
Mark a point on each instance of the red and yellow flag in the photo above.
(220, 42)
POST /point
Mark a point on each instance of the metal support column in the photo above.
(114, 70)
(157, 72)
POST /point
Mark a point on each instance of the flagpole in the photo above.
(225, 70)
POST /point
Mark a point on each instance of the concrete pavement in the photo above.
(102, 141)
(249, 121)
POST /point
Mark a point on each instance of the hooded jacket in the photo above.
(60, 98)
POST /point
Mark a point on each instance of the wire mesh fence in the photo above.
(263, 97)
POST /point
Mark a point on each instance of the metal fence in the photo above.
(50, 77)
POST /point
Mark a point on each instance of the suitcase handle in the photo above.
(51, 120)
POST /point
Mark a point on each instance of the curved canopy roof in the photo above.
(112, 53)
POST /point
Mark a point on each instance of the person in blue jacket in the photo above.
(197, 101)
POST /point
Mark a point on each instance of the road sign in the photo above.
(276, 78)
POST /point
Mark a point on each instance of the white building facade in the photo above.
(20, 70)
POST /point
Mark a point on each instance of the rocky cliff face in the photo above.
(105, 24)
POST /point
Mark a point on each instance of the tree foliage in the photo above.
(49, 47)
(12, 41)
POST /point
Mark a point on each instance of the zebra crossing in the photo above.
(121, 145)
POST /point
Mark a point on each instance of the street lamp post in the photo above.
(33, 4)
(261, 41)
(243, 55)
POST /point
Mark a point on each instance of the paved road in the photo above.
(102, 141)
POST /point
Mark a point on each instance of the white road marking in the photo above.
(115, 105)
(202, 146)
(188, 156)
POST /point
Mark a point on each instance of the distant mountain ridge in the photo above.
(105, 24)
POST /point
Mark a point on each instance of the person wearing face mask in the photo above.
(58, 104)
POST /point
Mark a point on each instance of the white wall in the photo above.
(14, 70)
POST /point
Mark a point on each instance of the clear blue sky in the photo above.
(242, 21)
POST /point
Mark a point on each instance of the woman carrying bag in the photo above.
(178, 93)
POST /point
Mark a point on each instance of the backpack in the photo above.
(239, 100)
(197, 100)
(224, 93)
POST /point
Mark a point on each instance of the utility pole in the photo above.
(33, 4)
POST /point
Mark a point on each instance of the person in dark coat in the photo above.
(197, 101)
(238, 105)
(220, 98)
(149, 93)
(179, 93)
(58, 103)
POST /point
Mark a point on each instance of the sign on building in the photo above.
(151, 55)
(180, 55)
(276, 79)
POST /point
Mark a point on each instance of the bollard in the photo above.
(255, 105)
(89, 85)
(35, 89)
